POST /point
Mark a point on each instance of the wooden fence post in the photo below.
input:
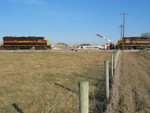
(112, 65)
(117, 55)
(84, 96)
(115, 58)
(107, 79)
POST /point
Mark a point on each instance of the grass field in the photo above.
(131, 88)
(35, 82)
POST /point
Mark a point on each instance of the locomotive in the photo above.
(134, 43)
(30, 42)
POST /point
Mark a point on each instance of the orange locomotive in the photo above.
(134, 43)
(14, 43)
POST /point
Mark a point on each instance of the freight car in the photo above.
(134, 43)
(30, 42)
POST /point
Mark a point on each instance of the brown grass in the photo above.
(34, 82)
(134, 85)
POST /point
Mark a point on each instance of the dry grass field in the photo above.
(135, 83)
(132, 86)
(35, 82)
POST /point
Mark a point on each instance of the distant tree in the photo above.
(146, 34)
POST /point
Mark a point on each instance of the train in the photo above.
(29, 42)
(39, 43)
(128, 43)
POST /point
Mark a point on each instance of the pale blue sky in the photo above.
(73, 21)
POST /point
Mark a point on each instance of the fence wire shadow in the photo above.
(17, 108)
(69, 89)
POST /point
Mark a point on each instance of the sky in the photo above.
(74, 21)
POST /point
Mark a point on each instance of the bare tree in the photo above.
(146, 34)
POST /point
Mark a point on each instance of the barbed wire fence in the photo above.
(98, 100)
(97, 103)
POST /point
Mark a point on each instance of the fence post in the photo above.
(115, 58)
(107, 79)
(84, 96)
(117, 55)
(112, 65)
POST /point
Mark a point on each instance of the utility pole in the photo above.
(123, 27)
(121, 31)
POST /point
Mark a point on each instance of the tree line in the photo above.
(146, 34)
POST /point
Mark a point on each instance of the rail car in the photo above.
(30, 42)
(134, 43)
